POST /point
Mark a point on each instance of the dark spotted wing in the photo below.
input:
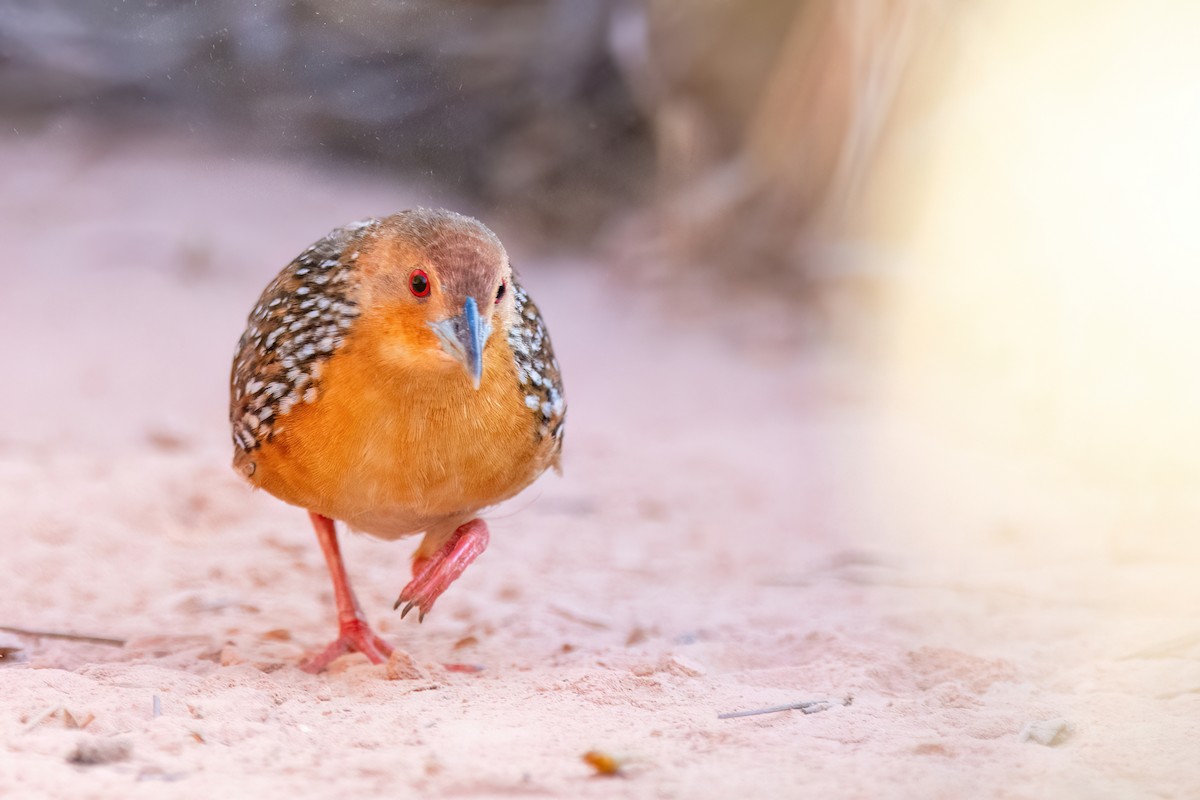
(537, 369)
(300, 320)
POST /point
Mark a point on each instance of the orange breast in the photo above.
(396, 448)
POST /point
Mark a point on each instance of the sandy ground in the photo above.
(739, 526)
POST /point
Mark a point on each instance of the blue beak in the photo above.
(464, 337)
(473, 337)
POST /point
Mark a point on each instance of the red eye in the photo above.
(418, 282)
(500, 291)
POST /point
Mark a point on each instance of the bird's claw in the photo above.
(411, 605)
(433, 574)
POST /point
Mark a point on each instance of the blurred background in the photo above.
(751, 127)
(997, 198)
(878, 323)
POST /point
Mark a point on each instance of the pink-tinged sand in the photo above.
(740, 525)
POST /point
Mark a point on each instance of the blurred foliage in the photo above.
(515, 103)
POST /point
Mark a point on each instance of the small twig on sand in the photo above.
(806, 706)
(73, 637)
(42, 717)
(580, 618)
(68, 719)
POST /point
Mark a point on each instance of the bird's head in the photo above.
(437, 286)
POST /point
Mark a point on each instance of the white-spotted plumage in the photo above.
(299, 322)
(537, 368)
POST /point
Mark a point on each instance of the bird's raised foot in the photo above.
(354, 636)
(434, 574)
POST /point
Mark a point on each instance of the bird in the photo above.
(397, 377)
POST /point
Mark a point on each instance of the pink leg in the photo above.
(432, 575)
(353, 632)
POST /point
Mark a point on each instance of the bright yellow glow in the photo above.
(1043, 198)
